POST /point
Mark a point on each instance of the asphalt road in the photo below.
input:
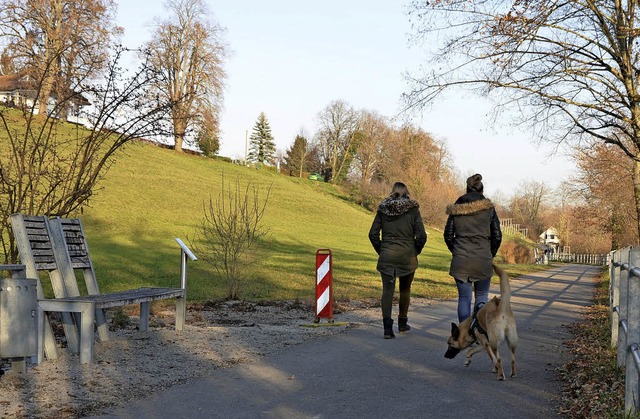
(359, 374)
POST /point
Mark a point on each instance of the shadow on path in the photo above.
(359, 374)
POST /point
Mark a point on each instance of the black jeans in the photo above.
(388, 289)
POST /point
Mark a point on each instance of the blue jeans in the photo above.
(479, 288)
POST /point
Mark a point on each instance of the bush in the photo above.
(223, 158)
(516, 250)
(231, 227)
(368, 195)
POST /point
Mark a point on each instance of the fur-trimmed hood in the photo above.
(397, 206)
(468, 208)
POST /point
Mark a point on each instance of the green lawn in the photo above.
(152, 195)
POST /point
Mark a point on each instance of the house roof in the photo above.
(13, 82)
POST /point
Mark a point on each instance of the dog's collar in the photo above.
(475, 324)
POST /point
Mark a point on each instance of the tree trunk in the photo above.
(43, 95)
(179, 140)
(178, 133)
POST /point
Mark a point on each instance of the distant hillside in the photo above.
(152, 195)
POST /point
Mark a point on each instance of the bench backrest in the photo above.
(72, 252)
(38, 254)
(31, 233)
(76, 242)
(57, 245)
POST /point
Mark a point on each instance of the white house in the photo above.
(17, 90)
(550, 238)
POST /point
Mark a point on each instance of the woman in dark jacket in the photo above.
(403, 237)
(473, 236)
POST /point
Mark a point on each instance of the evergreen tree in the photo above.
(296, 158)
(262, 146)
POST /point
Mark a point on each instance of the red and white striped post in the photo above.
(324, 285)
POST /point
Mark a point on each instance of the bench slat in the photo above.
(37, 237)
(128, 297)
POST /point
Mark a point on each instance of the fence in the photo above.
(583, 259)
(624, 300)
(509, 227)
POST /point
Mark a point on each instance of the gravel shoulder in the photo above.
(134, 364)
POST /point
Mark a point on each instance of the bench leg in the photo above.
(181, 313)
(144, 315)
(70, 332)
(102, 326)
(46, 344)
(87, 316)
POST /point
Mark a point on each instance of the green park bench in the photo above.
(58, 247)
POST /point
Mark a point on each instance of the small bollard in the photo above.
(324, 286)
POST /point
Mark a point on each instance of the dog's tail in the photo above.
(505, 289)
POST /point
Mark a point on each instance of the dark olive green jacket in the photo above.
(403, 236)
(473, 236)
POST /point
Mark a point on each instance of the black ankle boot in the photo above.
(388, 328)
(402, 324)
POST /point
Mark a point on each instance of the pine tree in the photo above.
(262, 146)
(296, 158)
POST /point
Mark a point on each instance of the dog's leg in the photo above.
(497, 362)
(500, 369)
(513, 362)
(485, 344)
(512, 341)
(472, 351)
(493, 353)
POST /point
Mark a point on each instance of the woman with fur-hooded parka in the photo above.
(398, 236)
(473, 236)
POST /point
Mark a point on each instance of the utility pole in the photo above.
(246, 145)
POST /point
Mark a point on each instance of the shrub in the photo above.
(225, 159)
(231, 227)
(516, 250)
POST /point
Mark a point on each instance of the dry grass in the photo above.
(594, 384)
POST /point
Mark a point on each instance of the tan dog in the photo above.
(493, 324)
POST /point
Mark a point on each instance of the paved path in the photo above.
(358, 374)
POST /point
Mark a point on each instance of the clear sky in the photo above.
(291, 58)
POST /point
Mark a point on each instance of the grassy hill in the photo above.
(152, 195)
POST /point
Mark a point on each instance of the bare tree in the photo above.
(48, 168)
(560, 214)
(527, 205)
(375, 132)
(604, 182)
(571, 67)
(207, 132)
(187, 48)
(57, 43)
(338, 126)
(231, 226)
(422, 163)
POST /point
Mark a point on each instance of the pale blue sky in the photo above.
(291, 58)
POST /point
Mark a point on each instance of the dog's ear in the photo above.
(455, 332)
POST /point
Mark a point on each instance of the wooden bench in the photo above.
(58, 246)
